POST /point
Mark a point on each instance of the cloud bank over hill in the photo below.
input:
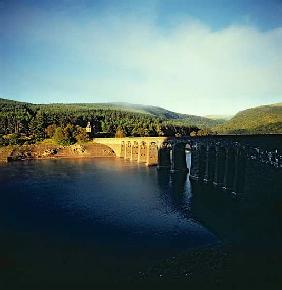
(186, 66)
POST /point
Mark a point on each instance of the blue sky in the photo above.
(194, 56)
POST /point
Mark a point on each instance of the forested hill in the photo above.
(6, 101)
(153, 111)
(26, 122)
(259, 120)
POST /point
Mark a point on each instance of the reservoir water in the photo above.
(67, 223)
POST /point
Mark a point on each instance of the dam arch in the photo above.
(135, 151)
(122, 149)
(128, 150)
(152, 157)
(142, 154)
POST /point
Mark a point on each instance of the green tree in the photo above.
(38, 125)
(59, 136)
(64, 136)
(14, 139)
(69, 132)
(81, 135)
(50, 130)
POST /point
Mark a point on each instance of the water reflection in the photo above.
(253, 219)
(175, 190)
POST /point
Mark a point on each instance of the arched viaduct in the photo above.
(219, 161)
(139, 149)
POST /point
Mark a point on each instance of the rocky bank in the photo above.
(52, 151)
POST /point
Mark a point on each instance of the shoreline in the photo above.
(43, 151)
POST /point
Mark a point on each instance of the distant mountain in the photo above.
(258, 120)
(6, 101)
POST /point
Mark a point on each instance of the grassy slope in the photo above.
(262, 119)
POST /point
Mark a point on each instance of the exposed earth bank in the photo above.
(52, 151)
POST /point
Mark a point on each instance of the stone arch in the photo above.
(122, 149)
(135, 151)
(229, 167)
(220, 150)
(142, 156)
(152, 157)
(128, 150)
(210, 163)
(178, 157)
(198, 161)
(164, 161)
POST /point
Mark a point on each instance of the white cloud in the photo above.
(187, 68)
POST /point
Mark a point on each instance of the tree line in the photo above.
(27, 123)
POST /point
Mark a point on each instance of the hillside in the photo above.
(258, 120)
(6, 101)
(26, 123)
(135, 119)
(152, 111)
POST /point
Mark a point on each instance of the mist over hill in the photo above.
(219, 117)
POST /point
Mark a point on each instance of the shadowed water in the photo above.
(87, 218)
(72, 223)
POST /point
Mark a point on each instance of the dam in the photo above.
(225, 162)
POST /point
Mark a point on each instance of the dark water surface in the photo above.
(77, 223)
(87, 218)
